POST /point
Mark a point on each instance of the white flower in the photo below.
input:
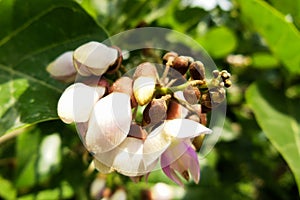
(62, 67)
(136, 157)
(77, 101)
(109, 123)
(94, 58)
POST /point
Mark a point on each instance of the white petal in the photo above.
(95, 57)
(127, 158)
(143, 89)
(62, 66)
(184, 128)
(155, 144)
(102, 167)
(109, 123)
(77, 101)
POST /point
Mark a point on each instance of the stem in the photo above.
(11, 135)
(187, 106)
(170, 90)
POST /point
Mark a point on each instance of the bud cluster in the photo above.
(143, 118)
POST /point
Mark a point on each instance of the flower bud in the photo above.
(94, 58)
(136, 131)
(123, 85)
(62, 67)
(181, 64)
(197, 70)
(191, 94)
(155, 112)
(144, 83)
(145, 69)
(169, 57)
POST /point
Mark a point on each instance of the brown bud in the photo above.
(227, 83)
(203, 119)
(146, 69)
(217, 95)
(169, 57)
(181, 64)
(123, 84)
(197, 70)
(136, 131)
(174, 110)
(191, 94)
(206, 100)
(155, 111)
(225, 75)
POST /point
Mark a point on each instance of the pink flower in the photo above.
(180, 157)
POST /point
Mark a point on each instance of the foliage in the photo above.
(258, 154)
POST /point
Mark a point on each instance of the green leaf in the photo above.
(27, 149)
(264, 60)
(282, 37)
(219, 41)
(278, 119)
(64, 191)
(7, 191)
(33, 33)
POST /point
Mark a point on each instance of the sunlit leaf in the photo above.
(219, 41)
(63, 191)
(36, 32)
(264, 61)
(278, 119)
(281, 36)
(27, 149)
(7, 191)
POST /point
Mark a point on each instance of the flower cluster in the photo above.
(157, 115)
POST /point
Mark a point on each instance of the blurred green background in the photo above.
(258, 42)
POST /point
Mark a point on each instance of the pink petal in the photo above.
(172, 175)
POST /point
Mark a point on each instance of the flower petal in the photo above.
(155, 144)
(143, 89)
(109, 123)
(174, 152)
(127, 158)
(77, 101)
(172, 175)
(102, 167)
(184, 128)
(94, 58)
(62, 67)
(181, 157)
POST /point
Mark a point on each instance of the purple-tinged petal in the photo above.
(194, 166)
(181, 157)
(173, 152)
(172, 175)
(109, 123)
